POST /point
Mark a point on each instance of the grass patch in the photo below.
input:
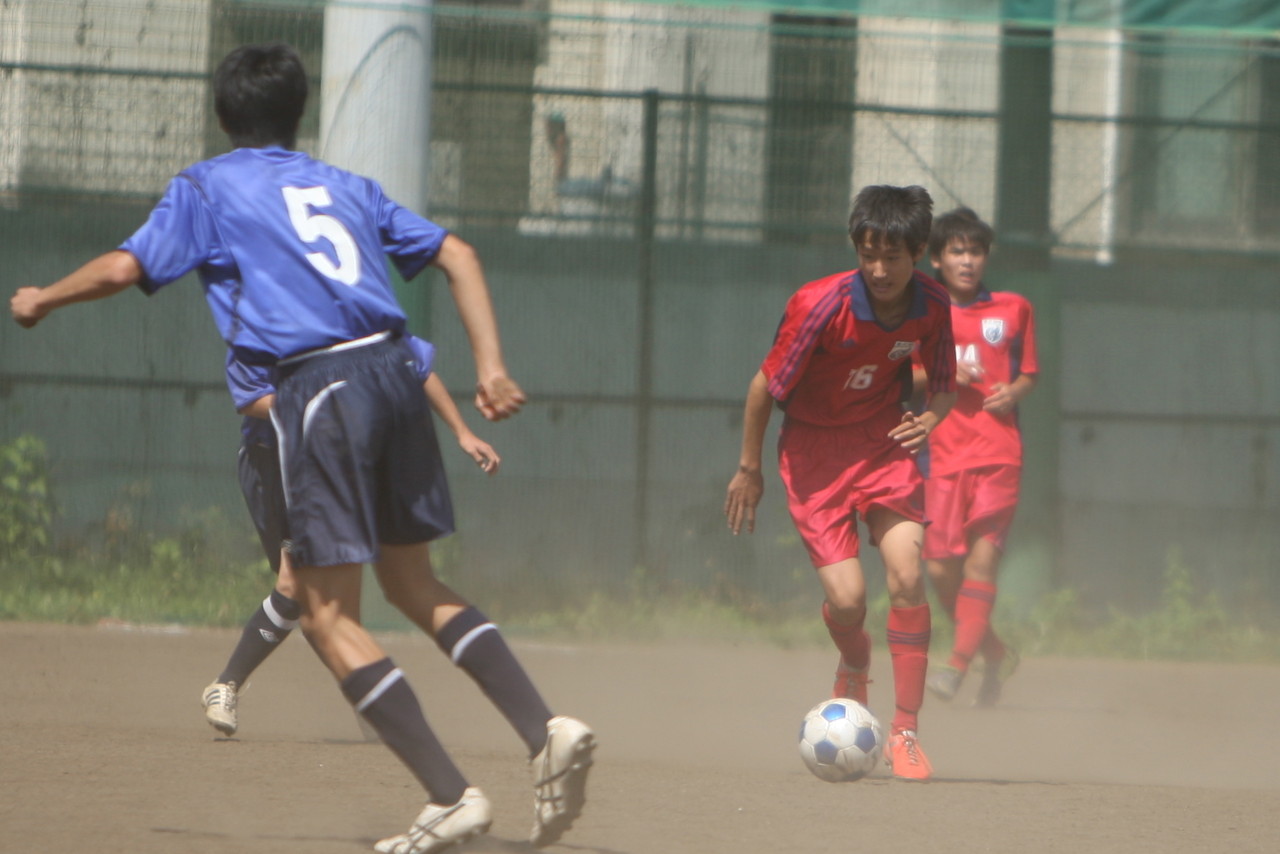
(202, 575)
(162, 580)
(88, 593)
(1185, 625)
(210, 573)
(172, 582)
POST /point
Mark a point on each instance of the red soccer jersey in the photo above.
(832, 363)
(996, 330)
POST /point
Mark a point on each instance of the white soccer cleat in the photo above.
(944, 682)
(560, 778)
(219, 701)
(438, 827)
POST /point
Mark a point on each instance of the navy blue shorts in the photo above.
(359, 455)
(259, 468)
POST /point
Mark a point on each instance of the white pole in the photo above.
(375, 94)
(1111, 137)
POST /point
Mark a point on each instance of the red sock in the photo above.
(909, 648)
(973, 619)
(948, 607)
(852, 640)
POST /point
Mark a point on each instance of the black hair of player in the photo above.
(964, 225)
(892, 215)
(259, 94)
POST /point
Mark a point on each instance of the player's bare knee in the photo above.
(847, 610)
(906, 585)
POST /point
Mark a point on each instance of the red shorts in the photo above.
(835, 474)
(969, 505)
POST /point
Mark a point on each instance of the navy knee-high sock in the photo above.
(380, 693)
(475, 644)
(265, 631)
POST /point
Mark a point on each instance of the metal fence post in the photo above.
(646, 215)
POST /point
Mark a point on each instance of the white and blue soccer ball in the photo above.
(840, 741)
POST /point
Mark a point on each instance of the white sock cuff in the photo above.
(274, 616)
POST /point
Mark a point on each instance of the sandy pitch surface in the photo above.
(103, 748)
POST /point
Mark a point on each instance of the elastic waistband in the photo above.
(342, 347)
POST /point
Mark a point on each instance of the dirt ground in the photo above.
(103, 748)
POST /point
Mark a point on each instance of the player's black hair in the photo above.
(892, 214)
(259, 93)
(960, 224)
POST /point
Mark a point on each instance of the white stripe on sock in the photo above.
(274, 616)
(378, 690)
(465, 641)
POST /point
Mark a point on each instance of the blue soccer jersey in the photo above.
(291, 251)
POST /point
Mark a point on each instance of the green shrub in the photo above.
(202, 573)
(26, 507)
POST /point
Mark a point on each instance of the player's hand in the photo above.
(744, 494)
(499, 397)
(911, 432)
(482, 452)
(1001, 401)
(968, 372)
(25, 307)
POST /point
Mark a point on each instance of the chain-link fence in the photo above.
(646, 185)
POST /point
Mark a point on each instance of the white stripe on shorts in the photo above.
(336, 348)
(314, 403)
(281, 448)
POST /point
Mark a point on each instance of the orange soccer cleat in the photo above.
(907, 758)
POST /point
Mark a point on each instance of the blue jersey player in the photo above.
(258, 467)
(291, 253)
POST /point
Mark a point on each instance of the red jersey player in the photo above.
(839, 364)
(975, 458)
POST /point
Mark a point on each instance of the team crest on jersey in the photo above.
(993, 329)
(901, 349)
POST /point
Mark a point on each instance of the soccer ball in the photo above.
(840, 741)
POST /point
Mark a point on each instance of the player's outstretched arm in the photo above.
(497, 395)
(747, 485)
(104, 276)
(472, 445)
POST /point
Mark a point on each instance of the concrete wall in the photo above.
(108, 132)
